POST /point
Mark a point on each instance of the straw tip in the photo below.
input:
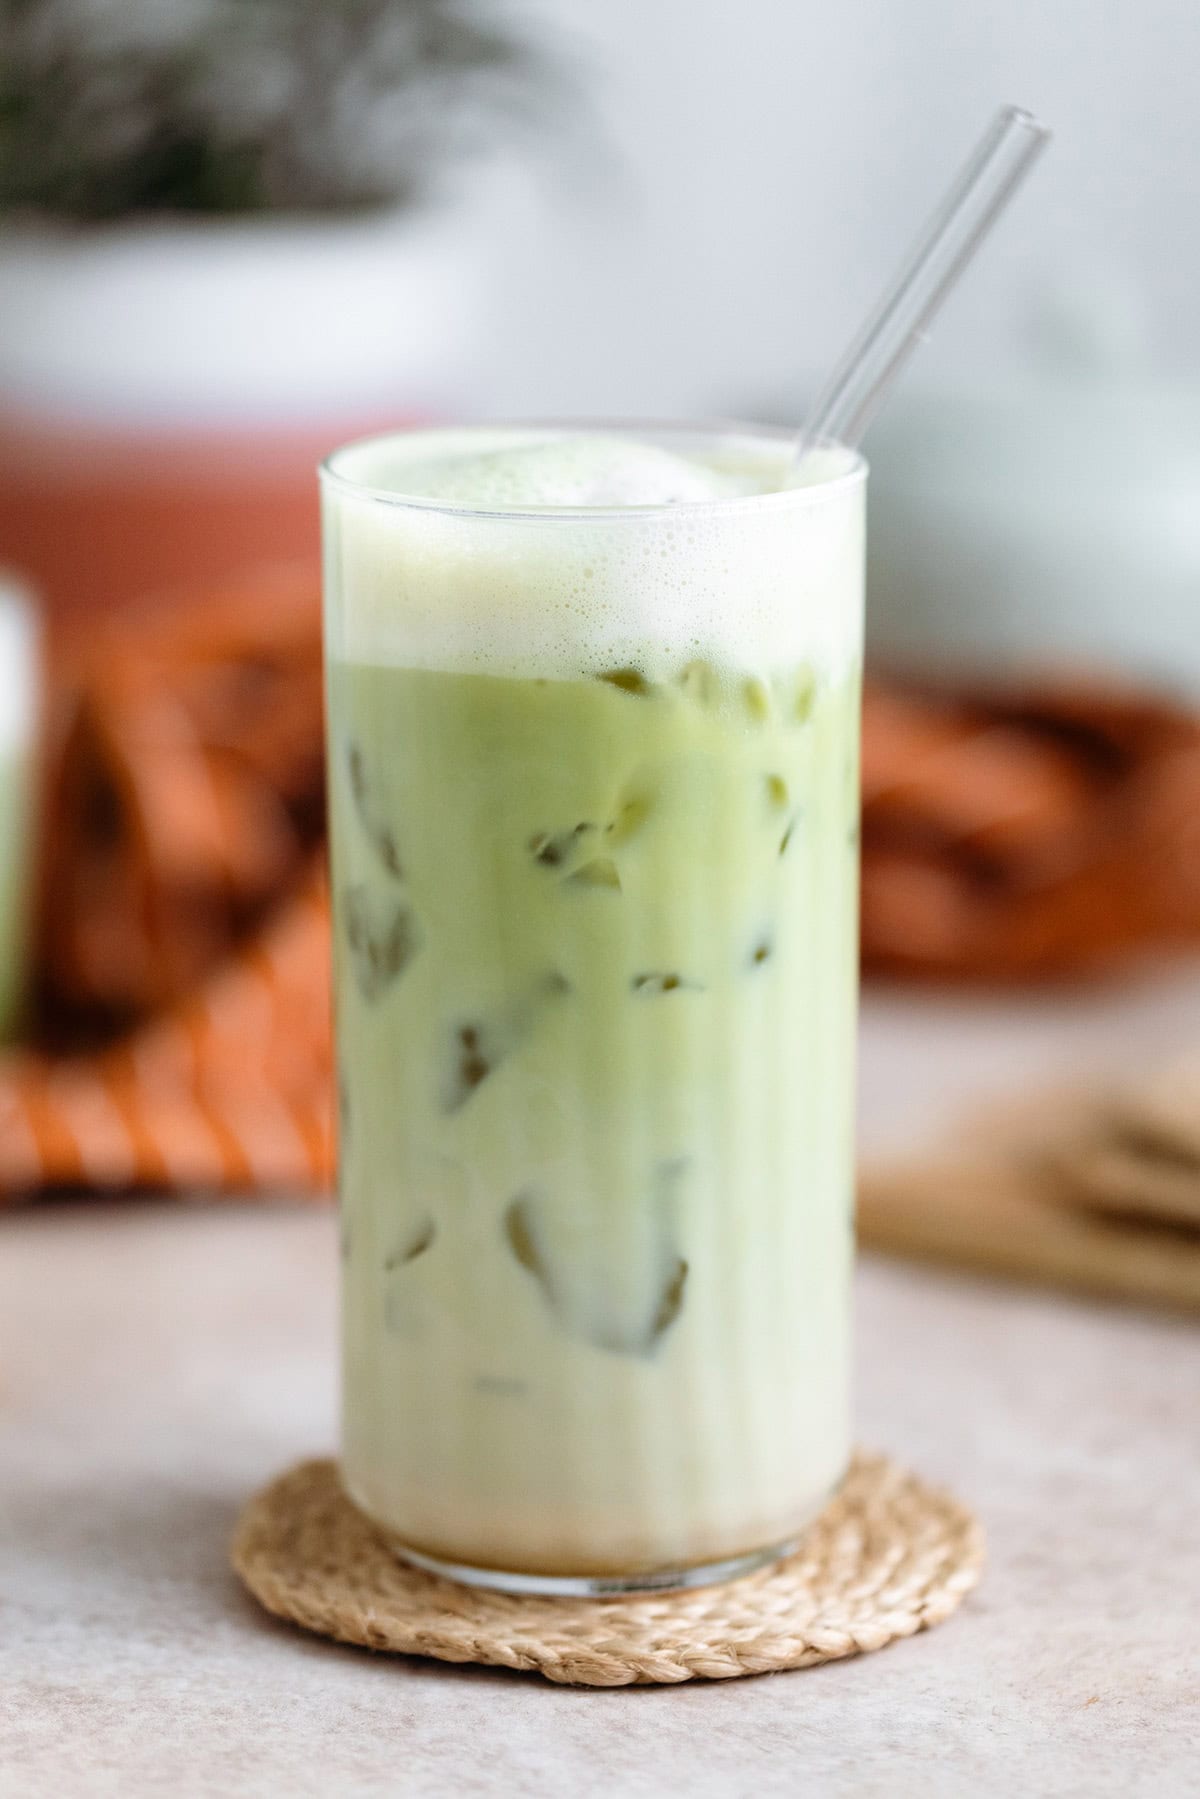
(1028, 121)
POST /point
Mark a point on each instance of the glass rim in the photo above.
(810, 494)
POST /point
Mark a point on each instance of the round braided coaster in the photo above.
(889, 1556)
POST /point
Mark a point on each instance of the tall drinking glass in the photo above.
(593, 778)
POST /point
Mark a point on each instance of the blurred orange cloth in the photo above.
(1029, 833)
(179, 1024)
(181, 997)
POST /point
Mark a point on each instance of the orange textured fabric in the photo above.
(185, 793)
(179, 1034)
(228, 1090)
(1027, 835)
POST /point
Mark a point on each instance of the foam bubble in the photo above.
(754, 571)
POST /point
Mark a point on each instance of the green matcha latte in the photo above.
(593, 724)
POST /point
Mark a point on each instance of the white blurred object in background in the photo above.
(1046, 519)
(228, 322)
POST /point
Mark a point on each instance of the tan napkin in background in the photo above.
(1091, 1188)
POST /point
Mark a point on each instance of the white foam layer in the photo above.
(586, 471)
(725, 560)
(18, 665)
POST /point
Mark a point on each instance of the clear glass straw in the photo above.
(852, 395)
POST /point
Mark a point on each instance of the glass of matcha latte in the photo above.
(593, 707)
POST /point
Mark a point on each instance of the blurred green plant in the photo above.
(113, 107)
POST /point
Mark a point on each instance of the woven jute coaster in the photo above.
(888, 1557)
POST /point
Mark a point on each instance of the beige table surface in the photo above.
(157, 1362)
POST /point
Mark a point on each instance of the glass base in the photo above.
(598, 1586)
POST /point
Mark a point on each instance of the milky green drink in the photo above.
(593, 723)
